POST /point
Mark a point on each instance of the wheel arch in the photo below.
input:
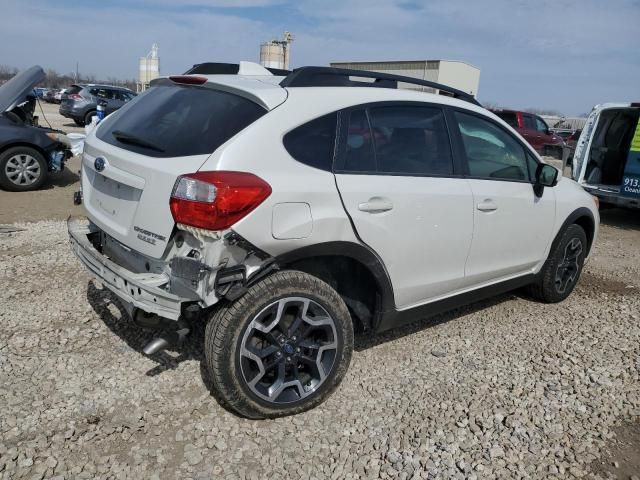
(583, 218)
(19, 143)
(353, 270)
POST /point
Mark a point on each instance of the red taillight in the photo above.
(74, 96)
(188, 79)
(216, 200)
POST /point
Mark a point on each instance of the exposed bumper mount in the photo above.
(137, 290)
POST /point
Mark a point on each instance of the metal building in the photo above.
(453, 73)
(148, 68)
(276, 53)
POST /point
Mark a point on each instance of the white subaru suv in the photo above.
(287, 211)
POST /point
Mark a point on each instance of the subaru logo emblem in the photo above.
(99, 164)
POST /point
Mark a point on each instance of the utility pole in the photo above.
(76, 79)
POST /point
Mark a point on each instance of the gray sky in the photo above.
(562, 55)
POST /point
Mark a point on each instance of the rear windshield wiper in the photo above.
(133, 140)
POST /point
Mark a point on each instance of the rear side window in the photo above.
(509, 117)
(313, 143)
(491, 152)
(178, 121)
(358, 154)
(411, 140)
(104, 93)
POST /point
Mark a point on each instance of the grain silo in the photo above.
(275, 53)
(148, 68)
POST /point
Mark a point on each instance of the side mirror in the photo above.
(546, 176)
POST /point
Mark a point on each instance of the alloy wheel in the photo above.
(22, 170)
(288, 350)
(568, 269)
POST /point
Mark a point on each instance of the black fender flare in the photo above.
(574, 217)
(358, 252)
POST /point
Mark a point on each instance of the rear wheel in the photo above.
(22, 169)
(561, 271)
(280, 349)
(88, 117)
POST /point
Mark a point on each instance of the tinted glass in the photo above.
(104, 93)
(74, 89)
(359, 156)
(411, 140)
(177, 121)
(529, 123)
(313, 143)
(509, 117)
(491, 152)
(540, 125)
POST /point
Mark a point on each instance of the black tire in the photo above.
(88, 116)
(232, 326)
(9, 156)
(563, 267)
(79, 123)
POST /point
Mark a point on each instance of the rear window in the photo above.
(178, 121)
(509, 117)
(74, 89)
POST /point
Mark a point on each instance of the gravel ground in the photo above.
(507, 388)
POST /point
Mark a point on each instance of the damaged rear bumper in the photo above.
(136, 290)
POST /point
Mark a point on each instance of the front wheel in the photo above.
(561, 271)
(22, 169)
(280, 349)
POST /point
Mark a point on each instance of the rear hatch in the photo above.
(131, 164)
(70, 96)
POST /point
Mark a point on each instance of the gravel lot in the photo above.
(506, 388)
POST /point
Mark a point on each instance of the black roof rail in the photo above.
(340, 77)
(216, 68)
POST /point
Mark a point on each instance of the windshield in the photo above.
(178, 121)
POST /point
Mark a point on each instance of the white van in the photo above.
(607, 157)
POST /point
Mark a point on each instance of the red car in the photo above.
(534, 130)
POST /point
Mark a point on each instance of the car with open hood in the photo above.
(27, 153)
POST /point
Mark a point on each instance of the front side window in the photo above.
(491, 152)
(411, 140)
(541, 126)
(314, 142)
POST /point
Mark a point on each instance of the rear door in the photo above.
(512, 226)
(131, 164)
(396, 177)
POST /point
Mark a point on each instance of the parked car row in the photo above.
(80, 102)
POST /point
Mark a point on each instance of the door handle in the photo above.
(487, 206)
(376, 205)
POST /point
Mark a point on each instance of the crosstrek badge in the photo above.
(147, 236)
